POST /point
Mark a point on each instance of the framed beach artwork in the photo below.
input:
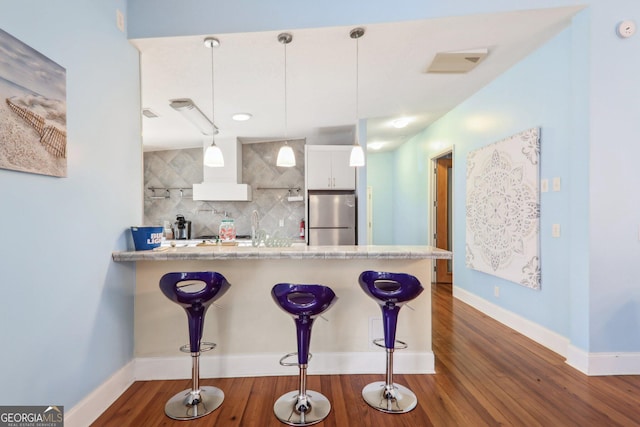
(503, 209)
(33, 110)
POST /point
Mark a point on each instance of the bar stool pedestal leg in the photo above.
(195, 402)
(388, 397)
(302, 407)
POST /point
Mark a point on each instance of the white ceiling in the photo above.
(321, 77)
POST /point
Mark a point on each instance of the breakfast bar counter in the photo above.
(252, 332)
(296, 251)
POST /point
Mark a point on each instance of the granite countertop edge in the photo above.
(294, 252)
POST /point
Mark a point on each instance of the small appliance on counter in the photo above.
(182, 228)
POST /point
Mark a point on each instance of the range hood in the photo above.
(224, 184)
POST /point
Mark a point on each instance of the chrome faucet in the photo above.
(255, 224)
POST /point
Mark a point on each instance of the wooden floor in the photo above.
(486, 375)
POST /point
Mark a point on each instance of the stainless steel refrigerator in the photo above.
(332, 218)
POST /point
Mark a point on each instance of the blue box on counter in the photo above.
(145, 238)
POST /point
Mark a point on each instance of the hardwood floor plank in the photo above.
(486, 375)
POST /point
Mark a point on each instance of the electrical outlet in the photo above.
(496, 291)
(281, 223)
(556, 184)
(555, 230)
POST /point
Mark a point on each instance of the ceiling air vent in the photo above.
(457, 62)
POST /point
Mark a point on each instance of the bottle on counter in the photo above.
(168, 231)
(227, 231)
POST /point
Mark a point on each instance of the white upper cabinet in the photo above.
(327, 168)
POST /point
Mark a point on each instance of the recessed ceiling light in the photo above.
(375, 145)
(400, 123)
(241, 117)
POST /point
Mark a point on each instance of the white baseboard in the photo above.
(578, 358)
(604, 363)
(552, 340)
(90, 408)
(261, 365)
(588, 363)
(165, 368)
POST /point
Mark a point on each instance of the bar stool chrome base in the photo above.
(296, 410)
(189, 405)
(396, 399)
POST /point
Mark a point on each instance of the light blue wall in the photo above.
(411, 195)
(67, 309)
(380, 177)
(614, 203)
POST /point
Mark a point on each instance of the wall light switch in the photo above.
(120, 20)
(544, 185)
(555, 230)
(556, 184)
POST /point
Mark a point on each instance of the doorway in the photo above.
(443, 214)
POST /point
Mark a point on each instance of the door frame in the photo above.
(432, 198)
(369, 215)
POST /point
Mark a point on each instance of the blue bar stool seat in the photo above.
(195, 292)
(391, 291)
(304, 302)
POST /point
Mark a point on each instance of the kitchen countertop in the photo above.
(296, 251)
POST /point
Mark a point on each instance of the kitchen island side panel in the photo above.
(249, 323)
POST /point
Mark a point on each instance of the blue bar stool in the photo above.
(302, 407)
(194, 292)
(391, 291)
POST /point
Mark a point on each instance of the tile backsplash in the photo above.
(180, 169)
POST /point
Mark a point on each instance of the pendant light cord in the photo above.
(356, 33)
(285, 39)
(213, 116)
(286, 115)
(357, 84)
(212, 43)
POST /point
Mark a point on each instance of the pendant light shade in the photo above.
(356, 159)
(213, 155)
(286, 157)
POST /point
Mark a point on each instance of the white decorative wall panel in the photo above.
(503, 209)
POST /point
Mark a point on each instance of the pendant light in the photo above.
(286, 157)
(356, 159)
(213, 155)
